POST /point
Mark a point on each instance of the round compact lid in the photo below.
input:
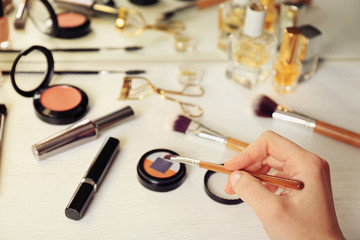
(214, 187)
(157, 174)
(25, 79)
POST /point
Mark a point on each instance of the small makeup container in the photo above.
(4, 27)
(291, 14)
(214, 187)
(61, 25)
(189, 74)
(160, 175)
(183, 42)
(310, 50)
(56, 104)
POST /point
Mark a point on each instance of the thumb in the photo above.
(252, 191)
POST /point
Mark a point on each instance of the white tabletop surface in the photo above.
(34, 194)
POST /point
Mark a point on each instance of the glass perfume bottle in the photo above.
(252, 49)
(291, 14)
(4, 27)
(310, 50)
(271, 15)
(231, 17)
(288, 65)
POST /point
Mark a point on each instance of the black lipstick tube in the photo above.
(92, 179)
(79, 133)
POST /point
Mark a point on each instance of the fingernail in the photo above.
(234, 177)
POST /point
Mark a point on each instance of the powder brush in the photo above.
(266, 107)
(188, 126)
(279, 181)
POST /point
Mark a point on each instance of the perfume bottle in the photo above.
(4, 27)
(288, 66)
(291, 14)
(252, 49)
(231, 17)
(271, 15)
(310, 49)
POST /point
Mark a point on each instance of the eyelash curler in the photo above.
(136, 88)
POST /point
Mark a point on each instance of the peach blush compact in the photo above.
(62, 25)
(72, 25)
(56, 104)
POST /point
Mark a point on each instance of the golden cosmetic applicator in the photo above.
(266, 107)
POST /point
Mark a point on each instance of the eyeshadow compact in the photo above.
(214, 187)
(61, 25)
(157, 174)
(31, 74)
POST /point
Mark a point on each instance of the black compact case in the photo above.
(47, 112)
(158, 174)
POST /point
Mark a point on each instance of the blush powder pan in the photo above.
(55, 104)
(72, 25)
(70, 96)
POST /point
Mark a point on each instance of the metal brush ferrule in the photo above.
(291, 116)
(188, 161)
(200, 130)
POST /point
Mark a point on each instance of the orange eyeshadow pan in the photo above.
(60, 98)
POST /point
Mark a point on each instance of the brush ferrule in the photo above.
(294, 117)
(188, 161)
(200, 130)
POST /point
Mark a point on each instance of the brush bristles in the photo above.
(167, 156)
(2, 109)
(264, 106)
(181, 124)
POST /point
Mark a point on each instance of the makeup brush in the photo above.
(200, 4)
(103, 49)
(266, 107)
(186, 125)
(83, 72)
(284, 182)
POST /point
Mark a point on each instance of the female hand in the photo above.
(293, 214)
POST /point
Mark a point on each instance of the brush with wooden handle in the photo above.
(279, 181)
(199, 4)
(188, 126)
(266, 107)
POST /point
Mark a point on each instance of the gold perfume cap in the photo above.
(289, 51)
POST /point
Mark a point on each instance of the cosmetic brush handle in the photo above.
(279, 181)
(235, 144)
(207, 3)
(337, 133)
